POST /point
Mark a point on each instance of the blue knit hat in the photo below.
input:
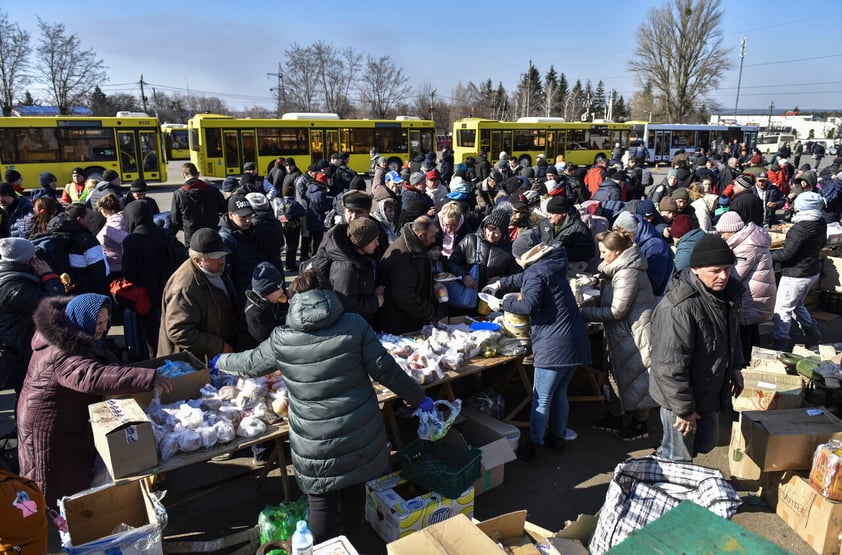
(82, 311)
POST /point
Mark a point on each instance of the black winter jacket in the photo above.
(351, 274)
(407, 273)
(496, 260)
(196, 205)
(574, 236)
(20, 292)
(799, 257)
(695, 346)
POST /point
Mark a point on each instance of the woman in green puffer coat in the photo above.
(337, 436)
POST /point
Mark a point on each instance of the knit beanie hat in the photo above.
(356, 201)
(266, 279)
(525, 240)
(11, 176)
(417, 178)
(16, 249)
(681, 224)
(229, 184)
(672, 173)
(362, 231)
(83, 310)
(667, 204)
(711, 250)
(498, 218)
(681, 193)
(138, 186)
(730, 222)
(646, 208)
(109, 175)
(745, 180)
(627, 221)
(557, 205)
(46, 178)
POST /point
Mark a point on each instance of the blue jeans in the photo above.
(677, 447)
(549, 396)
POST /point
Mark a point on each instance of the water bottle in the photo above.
(302, 540)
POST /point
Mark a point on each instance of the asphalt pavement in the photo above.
(212, 501)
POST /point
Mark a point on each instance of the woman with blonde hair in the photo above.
(625, 310)
(453, 225)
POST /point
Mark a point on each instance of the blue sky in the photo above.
(226, 49)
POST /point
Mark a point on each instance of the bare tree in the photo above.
(71, 72)
(300, 86)
(336, 71)
(383, 86)
(679, 50)
(14, 62)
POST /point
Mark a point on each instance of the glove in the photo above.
(212, 365)
(427, 405)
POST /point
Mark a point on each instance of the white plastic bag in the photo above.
(434, 425)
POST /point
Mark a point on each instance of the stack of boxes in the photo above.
(775, 441)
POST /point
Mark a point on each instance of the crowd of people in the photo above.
(684, 267)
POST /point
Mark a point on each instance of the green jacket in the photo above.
(328, 359)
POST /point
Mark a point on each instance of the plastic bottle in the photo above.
(302, 540)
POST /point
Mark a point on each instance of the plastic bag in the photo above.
(174, 368)
(278, 523)
(251, 426)
(434, 425)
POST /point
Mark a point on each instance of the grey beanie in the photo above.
(16, 249)
(524, 241)
(627, 221)
(499, 219)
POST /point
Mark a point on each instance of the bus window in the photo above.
(485, 140)
(576, 140)
(213, 139)
(88, 144)
(283, 141)
(466, 138)
(232, 151)
(128, 151)
(37, 144)
(681, 138)
(390, 139)
(148, 151)
(529, 139)
(249, 147)
(332, 141)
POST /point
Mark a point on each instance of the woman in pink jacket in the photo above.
(754, 270)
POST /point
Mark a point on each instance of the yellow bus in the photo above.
(131, 146)
(526, 138)
(176, 144)
(220, 145)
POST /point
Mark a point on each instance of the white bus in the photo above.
(664, 140)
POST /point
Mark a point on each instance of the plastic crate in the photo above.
(440, 466)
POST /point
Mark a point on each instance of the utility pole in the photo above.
(433, 104)
(143, 98)
(279, 89)
(740, 78)
(771, 107)
(155, 100)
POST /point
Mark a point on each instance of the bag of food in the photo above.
(434, 425)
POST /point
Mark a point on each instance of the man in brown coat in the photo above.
(199, 310)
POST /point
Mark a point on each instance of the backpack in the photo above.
(594, 178)
(131, 296)
(290, 221)
(23, 515)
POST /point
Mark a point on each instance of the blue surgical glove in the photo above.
(427, 405)
(214, 369)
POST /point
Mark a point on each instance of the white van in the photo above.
(770, 144)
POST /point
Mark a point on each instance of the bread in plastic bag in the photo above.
(251, 426)
(434, 425)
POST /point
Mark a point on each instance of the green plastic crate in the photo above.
(440, 466)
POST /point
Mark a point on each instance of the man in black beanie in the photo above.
(563, 224)
(697, 356)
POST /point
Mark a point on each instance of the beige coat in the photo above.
(625, 309)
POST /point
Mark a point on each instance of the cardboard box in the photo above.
(509, 530)
(786, 439)
(93, 514)
(831, 276)
(396, 508)
(185, 387)
(451, 323)
(739, 463)
(766, 360)
(454, 536)
(496, 450)
(766, 390)
(509, 431)
(123, 436)
(817, 520)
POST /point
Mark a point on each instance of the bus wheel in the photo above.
(525, 161)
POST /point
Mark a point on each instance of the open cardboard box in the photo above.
(816, 519)
(769, 390)
(93, 514)
(123, 436)
(496, 449)
(185, 387)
